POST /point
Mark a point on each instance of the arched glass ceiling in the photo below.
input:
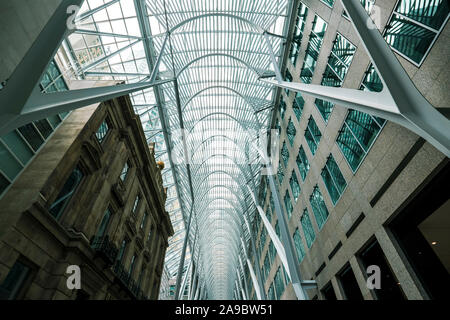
(216, 51)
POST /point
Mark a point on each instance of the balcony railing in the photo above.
(105, 248)
(128, 282)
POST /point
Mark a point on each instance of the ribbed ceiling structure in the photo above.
(212, 117)
(216, 52)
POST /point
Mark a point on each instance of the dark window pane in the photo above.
(66, 193)
(30, 133)
(4, 183)
(44, 128)
(14, 281)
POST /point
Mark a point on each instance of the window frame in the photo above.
(438, 33)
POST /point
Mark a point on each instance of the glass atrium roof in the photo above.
(215, 51)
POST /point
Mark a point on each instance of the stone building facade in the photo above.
(91, 197)
(381, 200)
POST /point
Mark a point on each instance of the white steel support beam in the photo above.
(89, 13)
(244, 276)
(291, 254)
(399, 101)
(197, 291)
(183, 254)
(258, 289)
(238, 274)
(183, 285)
(258, 269)
(193, 283)
(106, 58)
(106, 34)
(272, 234)
(144, 25)
(21, 99)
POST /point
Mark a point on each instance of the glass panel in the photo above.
(66, 193)
(372, 81)
(279, 285)
(133, 261)
(329, 2)
(15, 142)
(10, 166)
(333, 179)
(312, 135)
(409, 38)
(325, 108)
(280, 174)
(282, 107)
(44, 128)
(307, 228)
(4, 183)
(136, 204)
(299, 245)
(291, 132)
(298, 105)
(298, 32)
(295, 186)
(123, 174)
(54, 121)
(302, 163)
(319, 208)
(288, 204)
(432, 13)
(289, 79)
(14, 281)
(30, 133)
(122, 250)
(338, 63)
(144, 220)
(104, 223)
(102, 131)
(350, 147)
(285, 154)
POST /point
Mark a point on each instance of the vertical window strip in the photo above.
(333, 179)
(312, 135)
(299, 245)
(295, 186)
(280, 174)
(302, 163)
(297, 105)
(312, 51)
(288, 204)
(102, 131)
(302, 13)
(338, 63)
(360, 130)
(285, 153)
(307, 228)
(291, 132)
(124, 173)
(68, 190)
(282, 107)
(357, 136)
(144, 220)
(289, 78)
(136, 203)
(319, 208)
(279, 285)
